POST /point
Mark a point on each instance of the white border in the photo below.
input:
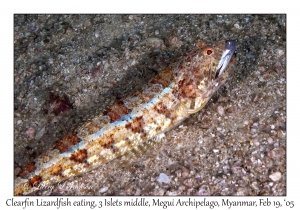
(153, 6)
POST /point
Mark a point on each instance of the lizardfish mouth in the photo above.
(230, 47)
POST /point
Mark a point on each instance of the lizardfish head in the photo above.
(205, 72)
(216, 65)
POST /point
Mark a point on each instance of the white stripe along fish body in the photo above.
(178, 91)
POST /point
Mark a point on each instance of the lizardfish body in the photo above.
(176, 92)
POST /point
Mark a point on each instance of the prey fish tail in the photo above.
(176, 92)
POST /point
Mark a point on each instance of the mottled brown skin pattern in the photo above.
(164, 77)
(79, 156)
(29, 168)
(35, 181)
(176, 92)
(137, 125)
(68, 141)
(55, 170)
(117, 111)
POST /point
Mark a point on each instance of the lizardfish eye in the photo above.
(208, 51)
(229, 49)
